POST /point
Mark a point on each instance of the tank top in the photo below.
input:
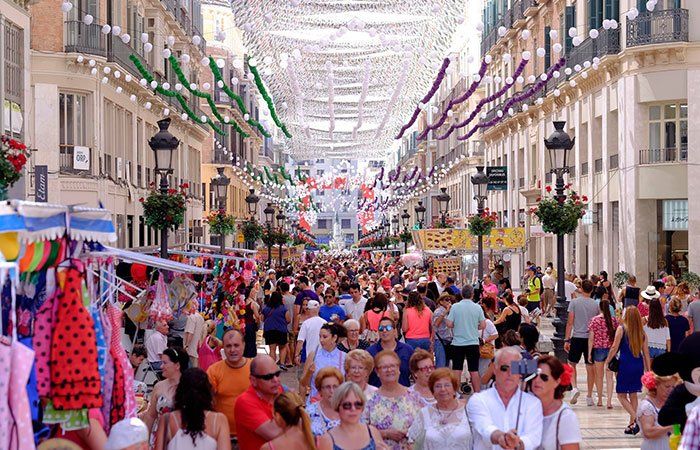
(631, 296)
(373, 318)
(182, 441)
(208, 355)
(418, 323)
(370, 446)
(513, 320)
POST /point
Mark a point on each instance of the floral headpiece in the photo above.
(565, 379)
(649, 380)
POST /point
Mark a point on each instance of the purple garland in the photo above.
(516, 98)
(428, 96)
(456, 101)
(484, 101)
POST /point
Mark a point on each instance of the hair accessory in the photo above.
(175, 351)
(649, 380)
(565, 379)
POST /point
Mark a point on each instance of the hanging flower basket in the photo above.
(482, 224)
(251, 229)
(692, 279)
(165, 211)
(221, 223)
(13, 157)
(282, 238)
(560, 219)
(620, 279)
(406, 237)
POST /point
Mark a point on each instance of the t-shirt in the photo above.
(677, 326)
(568, 429)
(355, 310)
(418, 323)
(491, 290)
(549, 282)
(657, 336)
(569, 289)
(288, 300)
(442, 330)
(597, 326)
(177, 326)
(195, 326)
(533, 285)
(251, 411)
(304, 294)
(309, 331)
(489, 330)
(694, 314)
(584, 309)
(466, 316)
(155, 345)
(404, 352)
(327, 312)
(275, 318)
(227, 384)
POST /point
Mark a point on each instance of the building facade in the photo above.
(628, 93)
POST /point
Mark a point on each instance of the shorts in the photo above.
(468, 352)
(275, 337)
(600, 354)
(655, 352)
(578, 347)
(531, 306)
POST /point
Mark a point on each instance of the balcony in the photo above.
(81, 38)
(664, 155)
(508, 19)
(182, 16)
(607, 43)
(658, 27)
(452, 155)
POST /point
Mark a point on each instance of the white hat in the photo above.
(312, 304)
(269, 271)
(650, 293)
(125, 433)
(422, 280)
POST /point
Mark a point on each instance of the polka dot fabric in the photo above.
(5, 416)
(75, 378)
(42, 344)
(22, 433)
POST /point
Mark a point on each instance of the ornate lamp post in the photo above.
(443, 199)
(558, 145)
(280, 223)
(480, 181)
(405, 217)
(420, 214)
(395, 224)
(220, 184)
(269, 217)
(163, 144)
(251, 201)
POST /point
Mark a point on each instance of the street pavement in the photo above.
(601, 428)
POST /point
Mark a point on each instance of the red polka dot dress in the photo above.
(75, 377)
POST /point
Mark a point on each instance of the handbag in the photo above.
(614, 365)
(486, 349)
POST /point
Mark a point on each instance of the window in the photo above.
(319, 173)
(584, 169)
(615, 213)
(345, 224)
(14, 79)
(322, 224)
(598, 165)
(668, 132)
(614, 161)
(73, 126)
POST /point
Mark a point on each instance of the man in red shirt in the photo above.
(253, 408)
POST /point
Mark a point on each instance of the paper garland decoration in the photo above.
(268, 100)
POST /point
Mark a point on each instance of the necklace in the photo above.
(444, 418)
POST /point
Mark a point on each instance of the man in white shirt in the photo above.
(549, 283)
(309, 331)
(355, 307)
(505, 417)
(156, 343)
(569, 288)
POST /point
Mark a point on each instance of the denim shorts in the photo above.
(600, 354)
(654, 352)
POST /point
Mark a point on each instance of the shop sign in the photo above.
(41, 183)
(675, 215)
(498, 178)
(81, 158)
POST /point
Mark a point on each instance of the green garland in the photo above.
(168, 93)
(268, 100)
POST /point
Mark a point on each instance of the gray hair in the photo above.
(343, 391)
(467, 291)
(505, 351)
(349, 322)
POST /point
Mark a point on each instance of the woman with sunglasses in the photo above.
(290, 416)
(422, 365)
(349, 402)
(393, 408)
(443, 424)
(359, 364)
(352, 341)
(323, 416)
(560, 425)
(326, 355)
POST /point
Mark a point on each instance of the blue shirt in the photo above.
(466, 316)
(327, 312)
(404, 351)
(275, 318)
(306, 293)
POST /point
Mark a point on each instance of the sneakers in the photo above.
(589, 401)
(574, 396)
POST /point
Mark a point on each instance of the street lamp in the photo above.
(251, 201)
(269, 217)
(420, 214)
(558, 145)
(405, 217)
(163, 144)
(395, 223)
(480, 181)
(443, 199)
(280, 223)
(220, 184)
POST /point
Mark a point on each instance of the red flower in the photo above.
(185, 185)
(584, 198)
(171, 191)
(141, 200)
(548, 188)
(538, 199)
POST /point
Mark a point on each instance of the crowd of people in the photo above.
(395, 357)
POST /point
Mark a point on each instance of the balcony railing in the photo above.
(663, 155)
(607, 43)
(658, 27)
(65, 162)
(452, 155)
(515, 13)
(81, 38)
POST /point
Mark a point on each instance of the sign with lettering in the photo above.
(41, 184)
(675, 215)
(81, 158)
(498, 178)
(461, 239)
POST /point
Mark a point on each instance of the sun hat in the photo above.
(125, 433)
(650, 293)
(312, 304)
(422, 280)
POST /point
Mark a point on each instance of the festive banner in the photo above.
(461, 239)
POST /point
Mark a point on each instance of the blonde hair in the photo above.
(290, 406)
(343, 391)
(361, 356)
(675, 379)
(634, 328)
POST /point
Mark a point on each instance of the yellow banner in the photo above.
(461, 239)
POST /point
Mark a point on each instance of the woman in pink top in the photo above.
(210, 349)
(417, 325)
(380, 307)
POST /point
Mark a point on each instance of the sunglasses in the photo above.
(504, 368)
(544, 377)
(269, 376)
(385, 327)
(347, 406)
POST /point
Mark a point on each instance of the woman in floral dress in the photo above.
(393, 408)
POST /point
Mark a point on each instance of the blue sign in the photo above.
(323, 240)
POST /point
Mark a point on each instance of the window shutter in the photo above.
(93, 9)
(547, 48)
(570, 22)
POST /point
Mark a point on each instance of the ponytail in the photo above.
(605, 310)
(306, 428)
(290, 406)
